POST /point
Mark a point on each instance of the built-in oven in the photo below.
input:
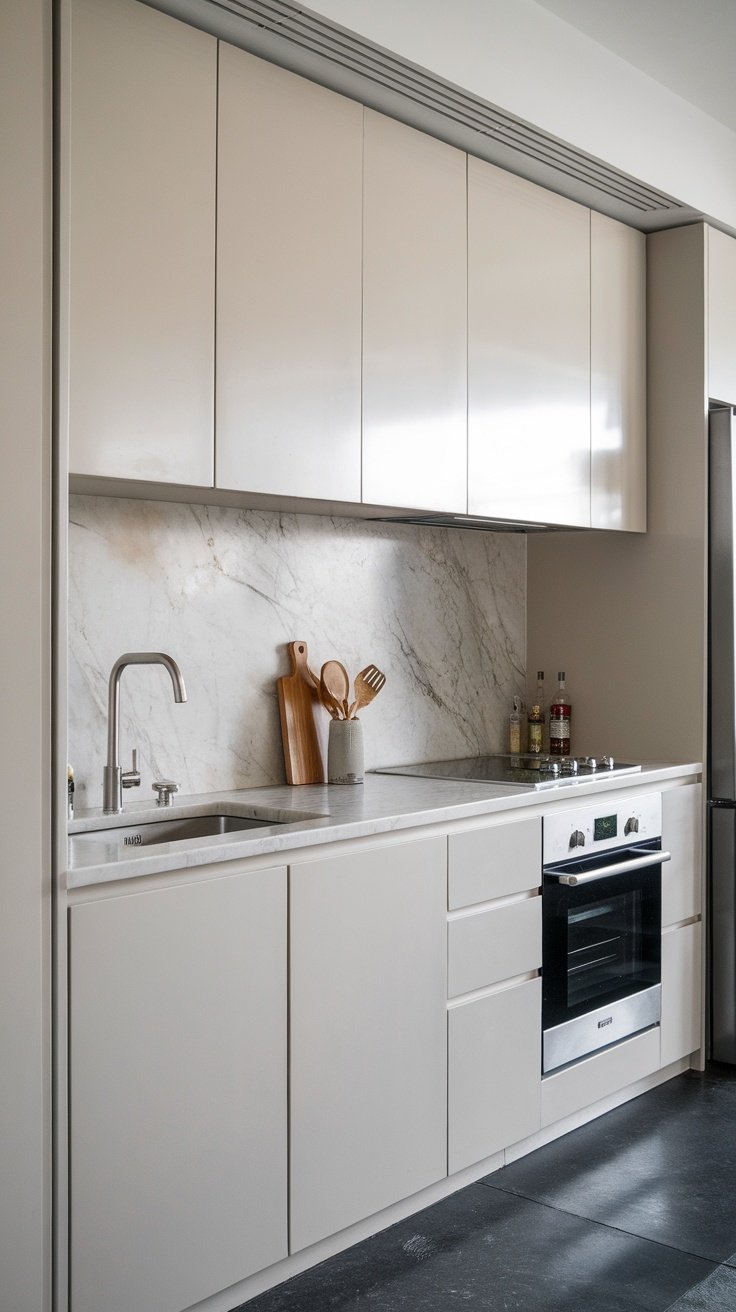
(601, 919)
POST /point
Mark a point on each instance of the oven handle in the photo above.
(650, 858)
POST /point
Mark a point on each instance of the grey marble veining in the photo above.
(441, 611)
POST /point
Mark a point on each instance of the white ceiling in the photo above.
(689, 46)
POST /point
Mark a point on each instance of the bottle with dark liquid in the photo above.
(536, 718)
(559, 720)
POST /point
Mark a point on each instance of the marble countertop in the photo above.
(314, 814)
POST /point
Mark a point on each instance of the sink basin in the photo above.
(179, 828)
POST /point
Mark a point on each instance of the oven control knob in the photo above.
(577, 838)
(632, 825)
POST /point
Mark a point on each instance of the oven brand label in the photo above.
(603, 1023)
(132, 840)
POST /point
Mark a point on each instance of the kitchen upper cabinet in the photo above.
(141, 244)
(721, 316)
(414, 319)
(178, 1091)
(528, 351)
(368, 1033)
(618, 375)
(289, 200)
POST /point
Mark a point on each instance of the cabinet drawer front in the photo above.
(598, 1076)
(494, 862)
(494, 945)
(494, 1073)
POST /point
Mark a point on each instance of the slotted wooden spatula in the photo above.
(368, 684)
(297, 696)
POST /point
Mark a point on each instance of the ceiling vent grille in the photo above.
(309, 44)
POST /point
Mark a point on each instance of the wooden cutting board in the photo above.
(297, 699)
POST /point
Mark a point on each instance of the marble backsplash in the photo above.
(441, 611)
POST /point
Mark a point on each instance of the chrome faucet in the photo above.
(114, 778)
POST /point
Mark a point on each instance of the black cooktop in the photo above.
(525, 771)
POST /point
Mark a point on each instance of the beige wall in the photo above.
(25, 918)
(625, 615)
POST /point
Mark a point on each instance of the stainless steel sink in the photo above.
(179, 828)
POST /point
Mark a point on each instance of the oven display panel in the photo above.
(605, 826)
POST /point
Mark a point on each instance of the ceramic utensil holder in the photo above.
(345, 752)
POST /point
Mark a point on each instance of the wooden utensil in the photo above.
(336, 683)
(297, 694)
(368, 684)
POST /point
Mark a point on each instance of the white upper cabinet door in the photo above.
(528, 351)
(142, 100)
(618, 375)
(721, 316)
(414, 319)
(289, 202)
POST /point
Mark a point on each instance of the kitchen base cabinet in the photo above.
(178, 1091)
(682, 835)
(681, 992)
(494, 1057)
(368, 1033)
(588, 1081)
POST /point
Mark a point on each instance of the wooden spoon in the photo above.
(368, 684)
(336, 684)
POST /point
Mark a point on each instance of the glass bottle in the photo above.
(560, 712)
(515, 728)
(536, 718)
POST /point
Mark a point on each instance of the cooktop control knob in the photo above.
(632, 825)
(577, 838)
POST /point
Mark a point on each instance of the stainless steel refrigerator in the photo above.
(722, 733)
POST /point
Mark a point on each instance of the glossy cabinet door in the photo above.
(682, 835)
(414, 319)
(721, 316)
(141, 243)
(368, 1033)
(178, 1091)
(618, 375)
(528, 351)
(289, 199)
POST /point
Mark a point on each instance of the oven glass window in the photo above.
(604, 947)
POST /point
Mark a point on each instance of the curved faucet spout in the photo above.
(113, 780)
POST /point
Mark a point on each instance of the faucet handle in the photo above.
(131, 778)
(165, 789)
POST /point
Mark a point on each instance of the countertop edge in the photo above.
(389, 816)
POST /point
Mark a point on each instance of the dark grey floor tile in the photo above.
(717, 1293)
(489, 1251)
(662, 1166)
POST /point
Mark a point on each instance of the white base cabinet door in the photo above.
(141, 244)
(178, 1092)
(368, 1033)
(682, 991)
(495, 1065)
(682, 835)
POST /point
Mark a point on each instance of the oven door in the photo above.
(602, 949)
